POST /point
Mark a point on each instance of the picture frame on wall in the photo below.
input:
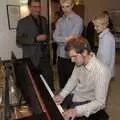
(13, 13)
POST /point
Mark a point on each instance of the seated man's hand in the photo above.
(70, 114)
(58, 99)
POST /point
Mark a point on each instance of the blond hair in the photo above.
(102, 19)
(67, 1)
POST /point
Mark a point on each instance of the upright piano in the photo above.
(36, 101)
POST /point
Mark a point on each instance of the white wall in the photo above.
(7, 37)
(93, 7)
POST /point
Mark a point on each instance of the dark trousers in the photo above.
(54, 46)
(65, 68)
(45, 68)
(100, 115)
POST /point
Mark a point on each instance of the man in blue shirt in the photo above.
(70, 24)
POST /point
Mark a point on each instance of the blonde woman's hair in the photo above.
(67, 1)
(102, 19)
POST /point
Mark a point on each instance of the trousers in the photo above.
(100, 115)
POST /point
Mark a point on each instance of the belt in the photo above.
(74, 104)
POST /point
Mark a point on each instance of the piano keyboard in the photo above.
(51, 93)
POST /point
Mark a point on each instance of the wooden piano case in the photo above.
(40, 104)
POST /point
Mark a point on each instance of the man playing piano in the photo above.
(88, 85)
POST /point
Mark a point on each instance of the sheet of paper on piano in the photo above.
(51, 93)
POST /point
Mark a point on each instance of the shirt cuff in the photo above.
(63, 94)
(81, 111)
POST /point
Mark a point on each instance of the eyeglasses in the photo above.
(35, 6)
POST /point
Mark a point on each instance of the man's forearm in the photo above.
(25, 40)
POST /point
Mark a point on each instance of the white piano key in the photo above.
(51, 93)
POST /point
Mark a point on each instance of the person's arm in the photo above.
(78, 27)
(70, 85)
(57, 34)
(106, 53)
(76, 30)
(101, 88)
(22, 38)
(44, 26)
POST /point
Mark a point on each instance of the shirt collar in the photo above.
(69, 16)
(103, 33)
(90, 63)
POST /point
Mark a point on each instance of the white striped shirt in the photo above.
(88, 83)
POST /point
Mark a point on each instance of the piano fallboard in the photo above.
(35, 93)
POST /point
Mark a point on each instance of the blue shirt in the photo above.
(65, 27)
(106, 49)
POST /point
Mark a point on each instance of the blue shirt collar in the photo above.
(103, 33)
(69, 16)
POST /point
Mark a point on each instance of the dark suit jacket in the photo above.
(27, 30)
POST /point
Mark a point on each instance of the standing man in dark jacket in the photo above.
(32, 36)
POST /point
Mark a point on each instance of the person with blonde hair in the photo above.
(88, 85)
(106, 47)
(70, 24)
(67, 1)
(110, 24)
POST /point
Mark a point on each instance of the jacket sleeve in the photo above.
(44, 25)
(22, 36)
